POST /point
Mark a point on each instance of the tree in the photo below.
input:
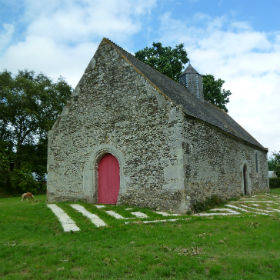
(169, 61)
(271, 164)
(274, 163)
(213, 92)
(29, 105)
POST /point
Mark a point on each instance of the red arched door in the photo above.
(108, 180)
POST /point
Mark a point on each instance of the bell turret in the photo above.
(192, 80)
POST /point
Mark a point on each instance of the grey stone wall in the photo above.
(214, 163)
(114, 109)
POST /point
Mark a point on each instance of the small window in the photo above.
(257, 163)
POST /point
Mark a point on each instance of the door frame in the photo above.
(90, 172)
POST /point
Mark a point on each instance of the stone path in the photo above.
(66, 222)
(266, 205)
(92, 217)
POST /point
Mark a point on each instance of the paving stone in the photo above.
(99, 206)
(139, 215)
(92, 217)
(165, 214)
(116, 215)
(67, 223)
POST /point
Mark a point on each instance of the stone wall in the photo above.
(214, 163)
(114, 109)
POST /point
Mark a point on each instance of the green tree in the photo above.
(274, 163)
(214, 93)
(29, 105)
(167, 60)
(271, 164)
(170, 62)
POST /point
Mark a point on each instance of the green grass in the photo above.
(275, 191)
(33, 246)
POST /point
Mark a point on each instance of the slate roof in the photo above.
(190, 70)
(192, 106)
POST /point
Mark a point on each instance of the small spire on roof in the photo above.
(190, 70)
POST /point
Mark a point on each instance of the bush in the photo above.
(208, 203)
(21, 180)
(274, 183)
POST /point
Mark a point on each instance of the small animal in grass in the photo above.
(27, 195)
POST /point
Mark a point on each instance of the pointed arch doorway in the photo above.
(108, 179)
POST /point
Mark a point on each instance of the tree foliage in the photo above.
(167, 60)
(29, 105)
(170, 62)
(214, 93)
(274, 163)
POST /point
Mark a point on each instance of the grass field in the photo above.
(34, 246)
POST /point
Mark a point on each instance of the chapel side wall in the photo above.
(115, 109)
(214, 162)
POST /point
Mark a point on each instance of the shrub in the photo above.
(21, 180)
(274, 183)
(208, 203)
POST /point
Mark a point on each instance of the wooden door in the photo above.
(108, 180)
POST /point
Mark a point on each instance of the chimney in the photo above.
(192, 80)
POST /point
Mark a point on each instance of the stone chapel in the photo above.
(131, 135)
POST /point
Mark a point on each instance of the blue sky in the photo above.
(238, 41)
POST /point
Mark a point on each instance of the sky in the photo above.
(235, 40)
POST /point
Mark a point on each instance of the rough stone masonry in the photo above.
(173, 149)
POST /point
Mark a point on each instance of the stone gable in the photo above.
(114, 109)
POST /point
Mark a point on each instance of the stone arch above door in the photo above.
(90, 183)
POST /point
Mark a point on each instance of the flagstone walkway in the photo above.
(265, 204)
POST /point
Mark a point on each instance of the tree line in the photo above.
(29, 105)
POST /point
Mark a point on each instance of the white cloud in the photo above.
(61, 36)
(6, 33)
(79, 20)
(247, 59)
(44, 55)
